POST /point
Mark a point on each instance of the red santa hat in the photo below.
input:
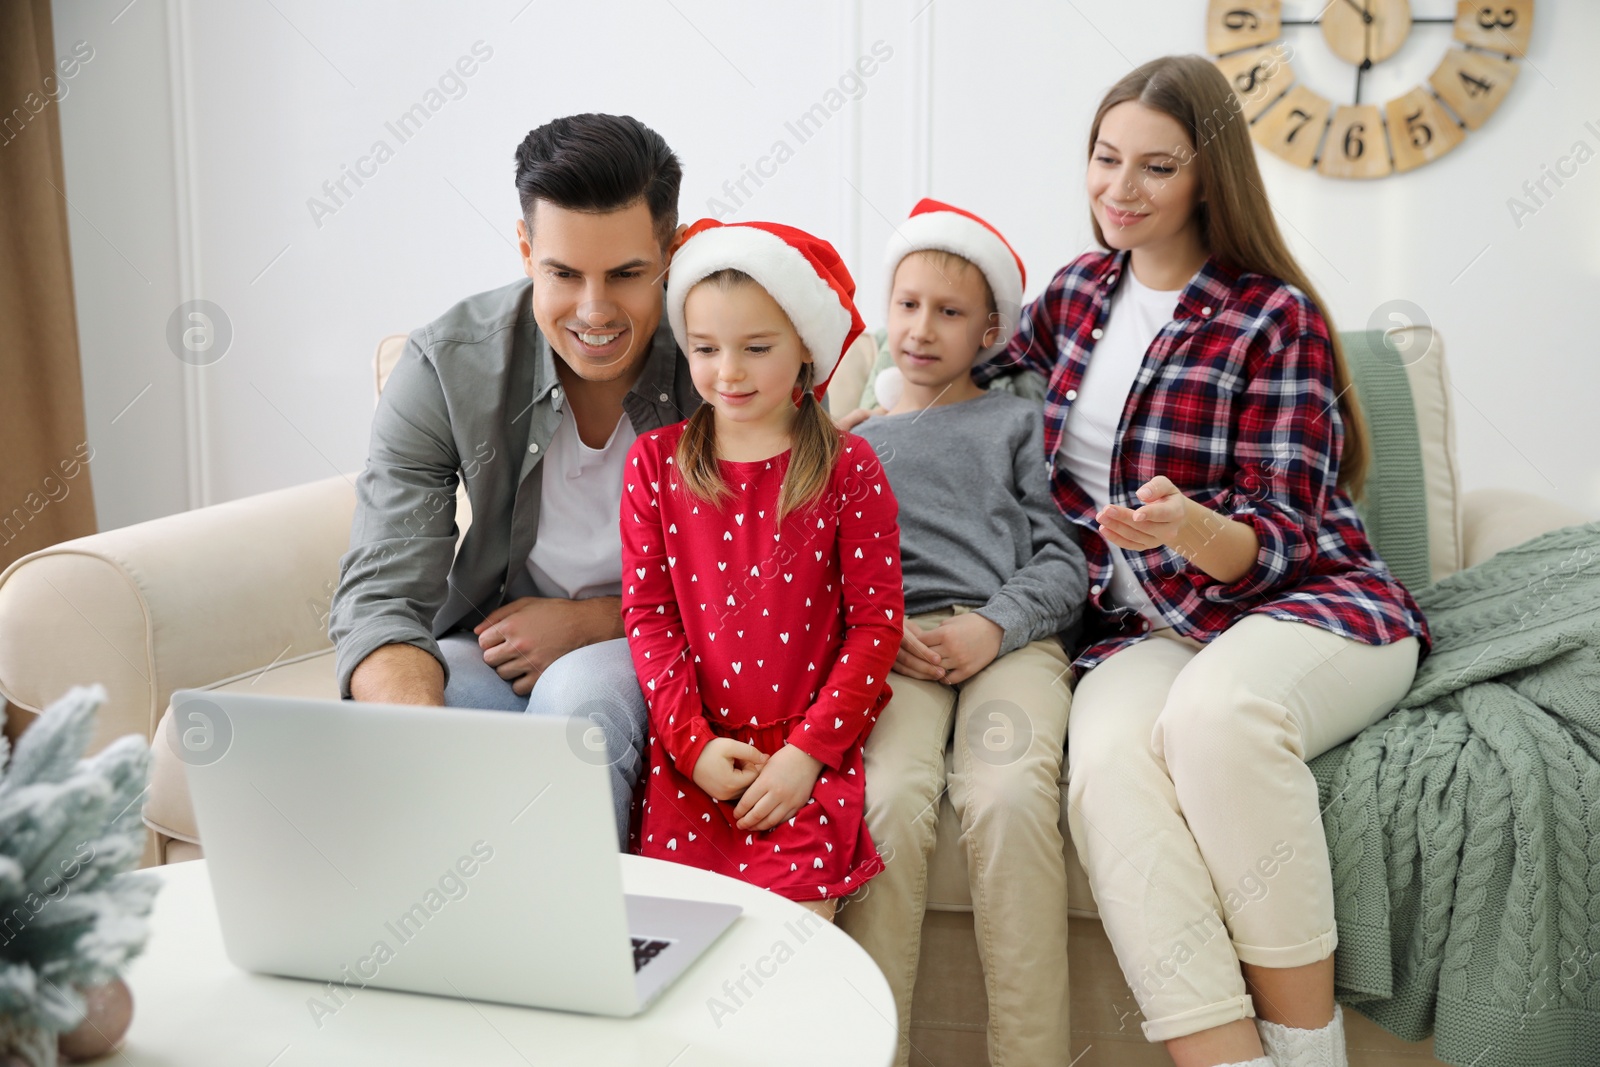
(936, 225)
(804, 274)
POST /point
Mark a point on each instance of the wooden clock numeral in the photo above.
(1356, 147)
(1258, 76)
(1293, 127)
(1230, 27)
(1420, 131)
(1472, 83)
(1504, 27)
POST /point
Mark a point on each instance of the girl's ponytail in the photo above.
(815, 452)
(696, 457)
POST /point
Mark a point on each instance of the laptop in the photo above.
(434, 850)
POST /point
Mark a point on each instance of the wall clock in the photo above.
(1367, 140)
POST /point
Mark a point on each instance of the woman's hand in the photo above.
(965, 645)
(1221, 546)
(780, 790)
(915, 659)
(727, 767)
(1157, 522)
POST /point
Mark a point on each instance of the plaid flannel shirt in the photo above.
(1235, 403)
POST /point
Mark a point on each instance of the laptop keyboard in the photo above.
(646, 949)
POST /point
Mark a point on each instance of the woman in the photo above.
(1201, 427)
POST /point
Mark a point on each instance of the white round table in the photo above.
(810, 996)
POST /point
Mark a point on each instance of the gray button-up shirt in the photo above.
(474, 396)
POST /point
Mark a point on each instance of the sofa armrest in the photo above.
(1494, 520)
(184, 600)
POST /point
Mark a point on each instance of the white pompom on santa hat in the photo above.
(803, 273)
(945, 228)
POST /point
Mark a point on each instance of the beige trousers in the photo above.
(1193, 811)
(1010, 724)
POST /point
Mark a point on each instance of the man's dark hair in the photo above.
(600, 163)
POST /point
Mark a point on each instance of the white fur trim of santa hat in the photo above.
(802, 273)
(939, 226)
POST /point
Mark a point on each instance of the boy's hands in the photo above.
(727, 767)
(780, 790)
(916, 659)
(965, 645)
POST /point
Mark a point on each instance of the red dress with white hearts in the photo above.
(741, 628)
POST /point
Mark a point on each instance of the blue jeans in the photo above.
(595, 683)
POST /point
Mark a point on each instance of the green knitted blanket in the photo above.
(1464, 828)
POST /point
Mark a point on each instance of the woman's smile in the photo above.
(1120, 217)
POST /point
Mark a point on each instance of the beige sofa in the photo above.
(236, 596)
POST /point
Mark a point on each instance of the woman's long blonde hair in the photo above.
(1236, 223)
(814, 449)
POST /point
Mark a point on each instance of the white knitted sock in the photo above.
(1259, 1061)
(1288, 1046)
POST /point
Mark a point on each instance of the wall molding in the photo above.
(850, 150)
(196, 394)
(919, 101)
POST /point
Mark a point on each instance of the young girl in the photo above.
(761, 568)
(1201, 428)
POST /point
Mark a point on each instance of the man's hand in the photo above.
(522, 638)
(398, 674)
(965, 645)
(780, 790)
(915, 659)
(727, 767)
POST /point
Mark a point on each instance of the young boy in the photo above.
(993, 574)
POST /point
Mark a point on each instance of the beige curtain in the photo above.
(45, 492)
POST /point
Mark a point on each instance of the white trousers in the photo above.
(1193, 811)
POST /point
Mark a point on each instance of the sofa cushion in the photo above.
(1494, 520)
(1422, 351)
(168, 810)
(1393, 504)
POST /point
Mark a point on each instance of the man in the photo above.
(532, 394)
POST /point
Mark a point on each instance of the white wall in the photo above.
(197, 134)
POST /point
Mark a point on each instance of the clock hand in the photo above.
(1366, 46)
(1365, 16)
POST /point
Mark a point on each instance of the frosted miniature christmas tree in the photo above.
(71, 914)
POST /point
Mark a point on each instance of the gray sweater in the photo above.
(977, 522)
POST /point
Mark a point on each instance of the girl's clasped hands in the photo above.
(769, 789)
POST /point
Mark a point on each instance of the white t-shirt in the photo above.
(1136, 314)
(578, 553)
